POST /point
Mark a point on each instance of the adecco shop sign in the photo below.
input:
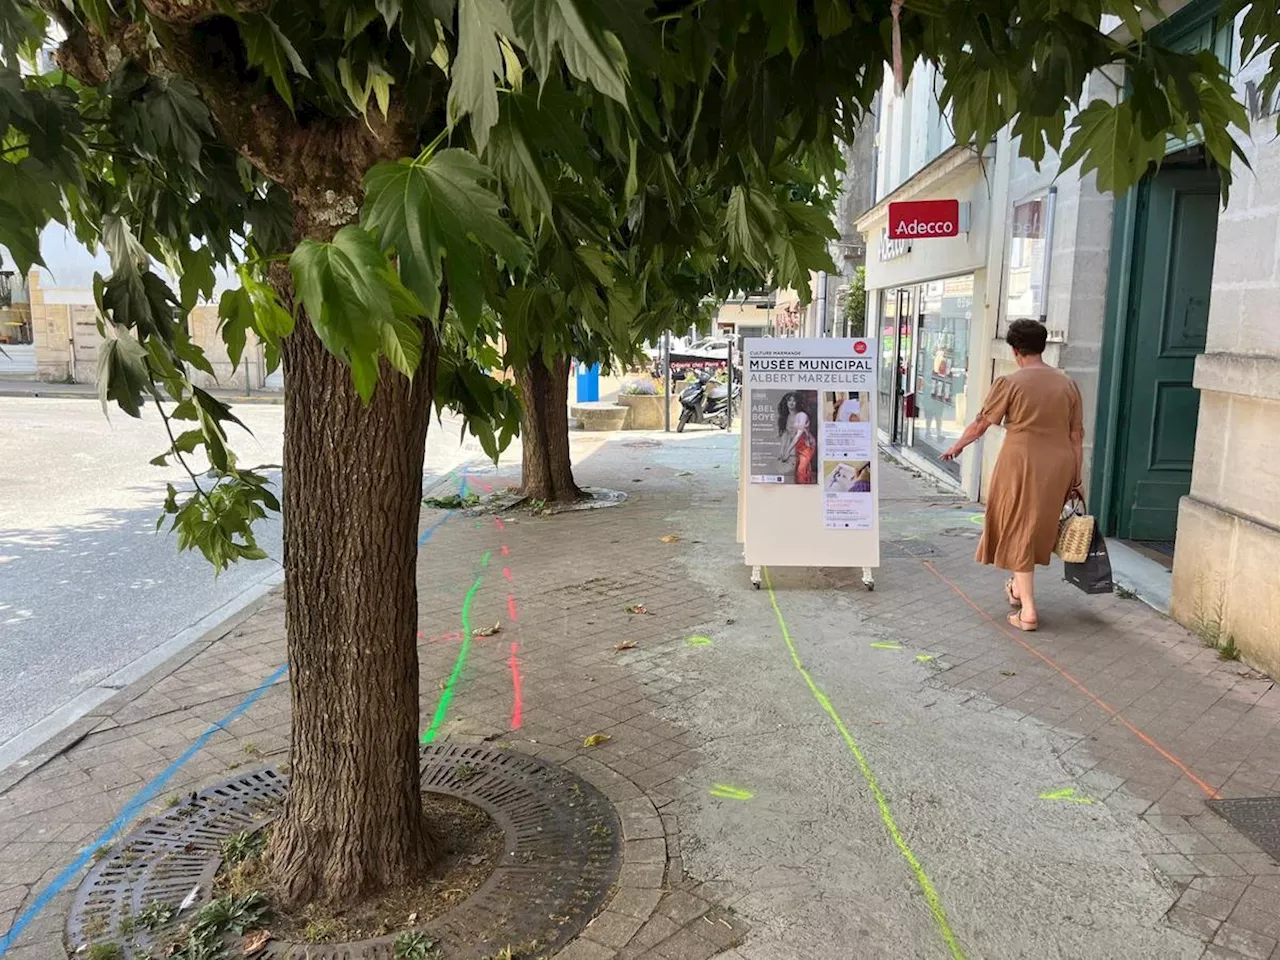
(922, 219)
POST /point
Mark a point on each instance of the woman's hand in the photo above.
(951, 454)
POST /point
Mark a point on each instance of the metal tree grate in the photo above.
(561, 858)
(1258, 818)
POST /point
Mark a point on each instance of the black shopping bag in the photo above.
(1094, 574)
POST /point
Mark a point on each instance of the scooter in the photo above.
(707, 401)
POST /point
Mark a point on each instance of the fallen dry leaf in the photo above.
(413, 918)
(636, 608)
(878, 723)
(670, 538)
(487, 631)
(626, 645)
(1008, 673)
(255, 941)
(596, 739)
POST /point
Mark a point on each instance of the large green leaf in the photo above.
(1106, 139)
(122, 372)
(197, 278)
(340, 283)
(478, 66)
(576, 28)
(271, 50)
(235, 315)
(20, 237)
(174, 120)
(439, 210)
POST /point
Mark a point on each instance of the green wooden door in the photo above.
(1168, 318)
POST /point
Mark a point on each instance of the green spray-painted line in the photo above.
(446, 695)
(882, 803)
(484, 561)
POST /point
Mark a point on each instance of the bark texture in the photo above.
(545, 472)
(352, 823)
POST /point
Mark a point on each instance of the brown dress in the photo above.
(1039, 407)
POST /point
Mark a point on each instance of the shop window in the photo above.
(942, 368)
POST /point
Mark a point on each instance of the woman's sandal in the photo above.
(1008, 592)
(1026, 626)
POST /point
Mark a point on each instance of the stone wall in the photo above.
(66, 338)
(1224, 575)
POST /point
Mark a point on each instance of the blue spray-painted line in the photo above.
(428, 533)
(153, 787)
(130, 811)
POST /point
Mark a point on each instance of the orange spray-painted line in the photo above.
(1107, 708)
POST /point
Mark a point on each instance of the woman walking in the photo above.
(1038, 467)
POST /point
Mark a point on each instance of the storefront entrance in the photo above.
(924, 366)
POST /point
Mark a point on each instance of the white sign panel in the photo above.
(809, 452)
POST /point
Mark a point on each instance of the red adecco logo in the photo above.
(914, 219)
(860, 346)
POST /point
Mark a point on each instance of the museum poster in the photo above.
(812, 422)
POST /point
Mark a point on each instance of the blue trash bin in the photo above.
(588, 383)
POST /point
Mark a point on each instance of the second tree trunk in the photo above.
(546, 472)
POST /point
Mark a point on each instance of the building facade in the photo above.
(60, 341)
(1163, 304)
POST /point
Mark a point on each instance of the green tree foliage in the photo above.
(855, 304)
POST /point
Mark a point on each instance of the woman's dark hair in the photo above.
(1027, 337)
(783, 412)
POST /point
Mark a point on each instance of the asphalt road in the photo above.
(91, 596)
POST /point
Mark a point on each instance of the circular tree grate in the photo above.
(561, 857)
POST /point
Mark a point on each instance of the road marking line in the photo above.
(1068, 794)
(130, 810)
(446, 695)
(725, 792)
(517, 700)
(1107, 708)
(882, 803)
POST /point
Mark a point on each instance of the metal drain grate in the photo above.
(1258, 818)
(560, 860)
(902, 549)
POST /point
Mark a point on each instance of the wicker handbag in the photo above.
(1075, 532)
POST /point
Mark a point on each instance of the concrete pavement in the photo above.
(835, 773)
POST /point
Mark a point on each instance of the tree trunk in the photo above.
(352, 823)
(545, 473)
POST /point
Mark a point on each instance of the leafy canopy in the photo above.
(412, 180)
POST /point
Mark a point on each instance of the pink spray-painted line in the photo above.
(506, 552)
(517, 699)
(499, 524)
(511, 608)
(506, 572)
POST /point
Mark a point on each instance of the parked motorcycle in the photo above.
(707, 401)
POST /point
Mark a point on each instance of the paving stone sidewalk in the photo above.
(560, 588)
